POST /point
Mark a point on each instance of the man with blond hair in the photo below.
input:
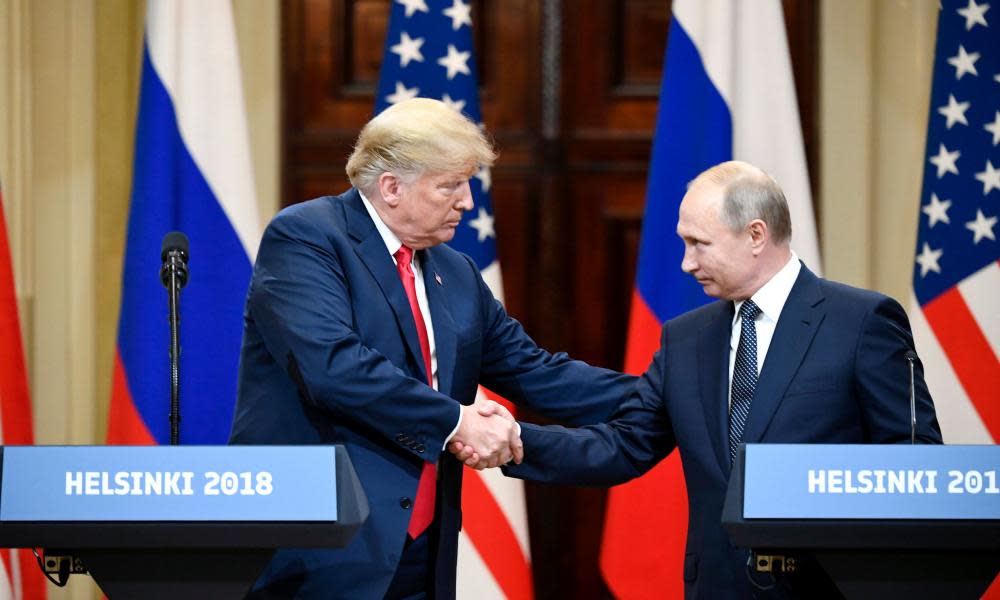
(783, 357)
(363, 329)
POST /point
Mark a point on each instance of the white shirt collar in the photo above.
(772, 295)
(392, 242)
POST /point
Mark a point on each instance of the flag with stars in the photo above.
(956, 276)
(429, 54)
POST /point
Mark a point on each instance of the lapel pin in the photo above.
(437, 278)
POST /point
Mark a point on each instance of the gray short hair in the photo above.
(414, 137)
(750, 193)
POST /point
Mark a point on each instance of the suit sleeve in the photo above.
(301, 303)
(636, 438)
(883, 379)
(553, 385)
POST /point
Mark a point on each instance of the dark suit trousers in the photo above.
(414, 575)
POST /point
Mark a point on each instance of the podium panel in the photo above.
(882, 521)
(165, 521)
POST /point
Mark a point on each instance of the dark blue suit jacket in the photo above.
(834, 373)
(330, 356)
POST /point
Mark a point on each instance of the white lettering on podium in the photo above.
(133, 483)
(835, 481)
(74, 483)
(868, 481)
(817, 482)
(136, 487)
(897, 481)
(865, 485)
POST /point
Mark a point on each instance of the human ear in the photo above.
(389, 188)
(759, 235)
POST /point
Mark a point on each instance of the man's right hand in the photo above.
(492, 437)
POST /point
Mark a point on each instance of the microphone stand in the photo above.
(174, 276)
(173, 300)
(910, 358)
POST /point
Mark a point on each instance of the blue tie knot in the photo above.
(749, 310)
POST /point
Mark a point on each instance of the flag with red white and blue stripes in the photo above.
(192, 173)
(727, 93)
(429, 54)
(956, 273)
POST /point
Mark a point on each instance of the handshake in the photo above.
(488, 436)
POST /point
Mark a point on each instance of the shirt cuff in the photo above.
(455, 430)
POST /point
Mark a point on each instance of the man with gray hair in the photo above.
(783, 357)
(362, 328)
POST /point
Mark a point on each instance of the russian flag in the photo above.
(727, 93)
(192, 174)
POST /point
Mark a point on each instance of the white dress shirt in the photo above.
(771, 300)
(393, 244)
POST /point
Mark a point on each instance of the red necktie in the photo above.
(423, 506)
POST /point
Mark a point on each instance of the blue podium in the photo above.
(176, 521)
(882, 521)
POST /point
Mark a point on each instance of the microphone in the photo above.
(174, 254)
(174, 276)
(911, 357)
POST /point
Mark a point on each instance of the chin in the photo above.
(712, 292)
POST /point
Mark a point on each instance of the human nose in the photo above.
(688, 263)
(465, 198)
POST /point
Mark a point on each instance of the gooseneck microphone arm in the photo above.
(911, 357)
(174, 276)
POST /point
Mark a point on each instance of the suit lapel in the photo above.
(444, 326)
(713, 380)
(800, 318)
(373, 253)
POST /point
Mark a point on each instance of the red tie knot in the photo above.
(403, 256)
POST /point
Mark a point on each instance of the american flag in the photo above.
(429, 54)
(956, 276)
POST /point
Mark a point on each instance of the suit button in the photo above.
(405, 503)
(401, 438)
(419, 448)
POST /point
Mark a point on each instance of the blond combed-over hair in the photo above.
(414, 137)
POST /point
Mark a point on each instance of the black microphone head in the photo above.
(175, 241)
(910, 355)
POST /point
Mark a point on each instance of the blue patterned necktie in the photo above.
(744, 376)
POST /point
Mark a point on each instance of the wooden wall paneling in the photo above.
(608, 65)
(614, 80)
(591, 219)
(333, 51)
(507, 42)
(607, 205)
